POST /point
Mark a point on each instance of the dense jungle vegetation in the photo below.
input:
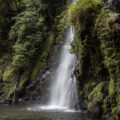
(27, 30)
(30, 31)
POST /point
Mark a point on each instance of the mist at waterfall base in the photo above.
(63, 89)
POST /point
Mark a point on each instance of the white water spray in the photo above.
(63, 92)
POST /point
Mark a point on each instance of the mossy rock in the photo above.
(116, 112)
(23, 80)
(97, 93)
(111, 88)
(11, 90)
(9, 75)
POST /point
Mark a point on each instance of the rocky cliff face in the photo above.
(98, 49)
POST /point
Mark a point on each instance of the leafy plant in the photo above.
(29, 32)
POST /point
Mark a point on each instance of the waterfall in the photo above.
(63, 89)
(63, 92)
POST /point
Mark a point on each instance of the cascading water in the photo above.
(63, 92)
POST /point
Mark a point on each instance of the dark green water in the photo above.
(20, 112)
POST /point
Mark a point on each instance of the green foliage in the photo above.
(63, 20)
(11, 90)
(105, 104)
(96, 45)
(87, 48)
(53, 8)
(116, 110)
(79, 46)
(73, 10)
(109, 37)
(8, 9)
(109, 41)
(31, 37)
(9, 75)
(41, 61)
(29, 32)
(111, 88)
(39, 66)
(24, 79)
(85, 4)
(97, 93)
(90, 104)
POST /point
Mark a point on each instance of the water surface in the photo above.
(22, 112)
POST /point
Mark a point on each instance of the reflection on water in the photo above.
(20, 112)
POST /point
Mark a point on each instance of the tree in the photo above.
(29, 32)
(8, 9)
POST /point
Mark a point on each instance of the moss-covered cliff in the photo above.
(97, 46)
(27, 40)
